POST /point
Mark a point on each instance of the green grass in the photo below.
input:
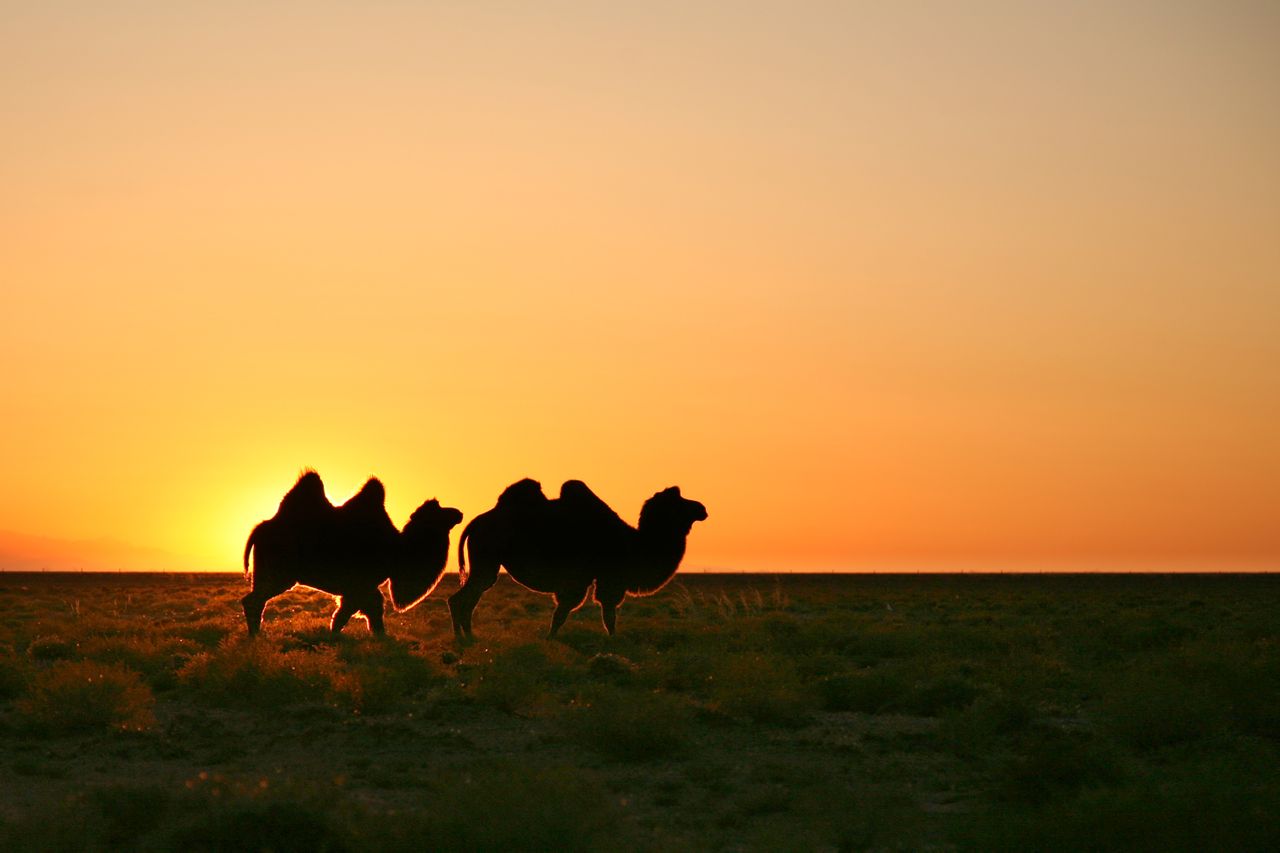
(744, 713)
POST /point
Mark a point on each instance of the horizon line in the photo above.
(1168, 570)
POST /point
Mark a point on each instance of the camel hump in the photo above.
(306, 499)
(525, 494)
(368, 507)
(372, 491)
(370, 500)
(580, 503)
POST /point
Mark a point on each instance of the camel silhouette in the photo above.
(348, 550)
(564, 546)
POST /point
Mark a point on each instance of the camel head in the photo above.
(432, 517)
(670, 510)
(426, 546)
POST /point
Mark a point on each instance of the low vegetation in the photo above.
(731, 713)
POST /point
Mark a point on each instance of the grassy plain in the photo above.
(731, 713)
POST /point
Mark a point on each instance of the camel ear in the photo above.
(675, 490)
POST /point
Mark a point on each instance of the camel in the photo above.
(567, 545)
(348, 551)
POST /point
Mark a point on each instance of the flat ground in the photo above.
(731, 713)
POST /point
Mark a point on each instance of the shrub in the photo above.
(515, 807)
(868, 691)
(13, 678)
(881, 641)
(972, 731)
(253, 674)
(86, 695)
(891, 690)
(761, 687)
(828, 814)
(605, 665)
(1152, 710)
(205, 632)
(517, 679)
(1240, 677)
(379, 675)
(932, 696)
(1051, 764)
(50, 648)
(628, 725)
(1204, 805)
(275, 825)
(686, 667)
(156, 660)
(208, 816)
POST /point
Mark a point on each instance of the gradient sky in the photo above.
(884, 285)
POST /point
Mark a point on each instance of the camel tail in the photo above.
(248, 546)
(462, 556)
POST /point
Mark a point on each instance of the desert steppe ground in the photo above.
(732, 712)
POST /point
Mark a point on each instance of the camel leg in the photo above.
(566, 603)
(609, 604)
(256, 601)
(609, 613)
(341, 616)
(371, 607)
(462, 604)
(253, 604)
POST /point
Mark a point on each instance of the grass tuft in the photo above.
(605, 665)
(761, 687)
(515, 807)
(1052, 764)
(380, 675)
(518, 679)
(868, 691)
(1152, 710)
(74, 696)
(13, 677)
(629, 725)
(206, 632)
(51, 648)
(157, 660)
(253, 674)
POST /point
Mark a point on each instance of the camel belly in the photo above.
(339, 580)
(548, 575)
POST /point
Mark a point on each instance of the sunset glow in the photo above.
(914, 286)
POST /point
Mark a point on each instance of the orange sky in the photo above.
(892, 287)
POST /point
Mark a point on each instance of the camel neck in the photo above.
(662, 550)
